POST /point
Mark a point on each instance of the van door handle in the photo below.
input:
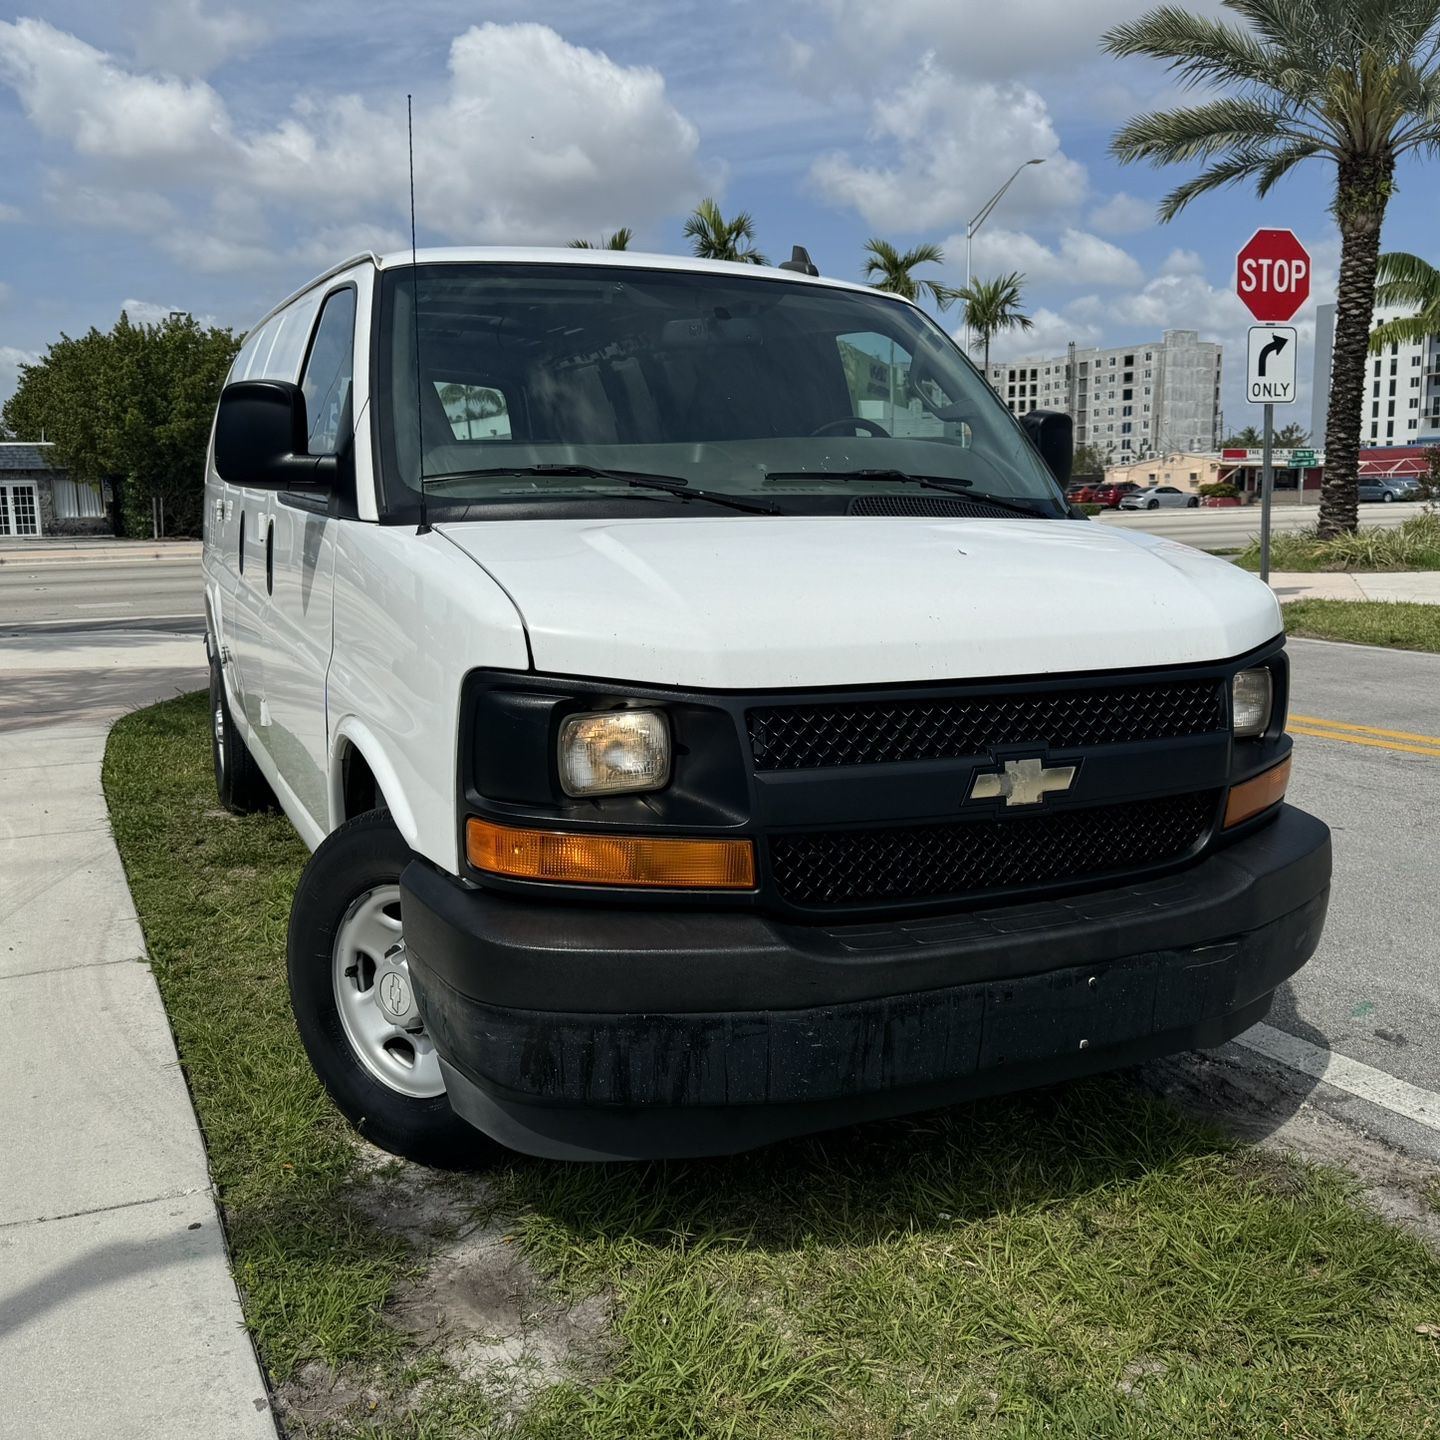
(270, 558)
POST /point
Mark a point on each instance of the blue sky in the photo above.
(184, 154)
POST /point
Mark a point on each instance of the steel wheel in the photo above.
(376, 999)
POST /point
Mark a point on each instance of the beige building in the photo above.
(1186, 471)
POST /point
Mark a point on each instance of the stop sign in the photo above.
(1272, 275)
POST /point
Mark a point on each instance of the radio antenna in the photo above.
(415, 315)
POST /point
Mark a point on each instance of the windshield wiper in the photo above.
(963, 488)
(638, 479)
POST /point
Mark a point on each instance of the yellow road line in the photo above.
(1365, 740)
(1367, 729)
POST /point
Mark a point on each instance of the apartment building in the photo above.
(1155, 398)
(1402, 386)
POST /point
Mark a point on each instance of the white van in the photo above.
(701, 705)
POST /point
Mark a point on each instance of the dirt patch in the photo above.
(497, 1324)
(475, 1315)
(1273, 1108)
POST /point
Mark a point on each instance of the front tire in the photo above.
(1387, 497)
(1153, 505)
(354, 1004)
(239, 782)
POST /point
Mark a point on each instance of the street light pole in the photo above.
(977, 222)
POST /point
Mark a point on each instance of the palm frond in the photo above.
(1199, 50)
(1281, 163)
(1196, 132)
(1404, 330)
(1408, 279)
(1243, 165)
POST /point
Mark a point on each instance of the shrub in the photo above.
(1414, 545)
(1219, 490)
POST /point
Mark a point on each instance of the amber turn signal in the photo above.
(590, 859)
(1259, 794)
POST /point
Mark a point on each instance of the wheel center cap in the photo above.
(395, 995)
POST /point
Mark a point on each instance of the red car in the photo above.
(1084, 492)
(1110, 496)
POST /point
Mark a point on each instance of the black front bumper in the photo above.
(591, 1032)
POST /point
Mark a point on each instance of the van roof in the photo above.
(538, 255)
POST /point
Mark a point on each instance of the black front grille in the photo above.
(935, 862)
(807, 737)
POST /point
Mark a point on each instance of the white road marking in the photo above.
(1352, 1076)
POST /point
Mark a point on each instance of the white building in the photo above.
(1402, 386)
(1135, 400)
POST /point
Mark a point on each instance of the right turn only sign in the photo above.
(1270, 367)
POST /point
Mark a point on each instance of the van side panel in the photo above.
(413, 615)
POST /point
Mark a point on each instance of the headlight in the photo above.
(1251, 697)
(614, 752)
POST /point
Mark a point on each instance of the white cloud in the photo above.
(1122, 214)
(11, 359)
(9, 214)
(532, 140)
(1079, 259)
(73, 92)
(5, 292)
(183, 38)
(943, 145)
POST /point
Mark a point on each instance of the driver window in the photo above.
(328, 371)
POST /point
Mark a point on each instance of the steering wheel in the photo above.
(852, 423)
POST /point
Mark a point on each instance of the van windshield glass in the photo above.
(542, 382)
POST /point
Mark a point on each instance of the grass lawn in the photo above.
(1366, 622)
(1085, 1262)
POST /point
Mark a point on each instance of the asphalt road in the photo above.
(1372, 992)
(1233, 529)
(71, 592)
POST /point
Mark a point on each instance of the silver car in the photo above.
(1156, 496)
(1391, 487)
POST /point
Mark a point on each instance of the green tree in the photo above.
(713, 237)
(890, 269)
(1353, 82)
(1288, 437)
(620, 240)
(132, 405)
(1089, 460)
(991, 308)
(1406, 281)
(1247, 439)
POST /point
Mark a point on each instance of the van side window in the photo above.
(475, 412)
(328, 371)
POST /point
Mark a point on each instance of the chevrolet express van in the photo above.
(686, 677)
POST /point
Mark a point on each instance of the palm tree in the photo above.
(893, 269)
(1410, 282)
(992, 307)
(713, 237)
(1353, 82)
(620, 240)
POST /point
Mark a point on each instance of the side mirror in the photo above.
(261, 438)
(1052, 433)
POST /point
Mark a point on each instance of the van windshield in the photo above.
(551, 382)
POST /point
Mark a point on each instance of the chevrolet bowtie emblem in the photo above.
(1023, 782)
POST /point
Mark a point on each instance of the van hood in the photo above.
(753, 603)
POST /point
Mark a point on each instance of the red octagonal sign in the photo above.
(1272, 275)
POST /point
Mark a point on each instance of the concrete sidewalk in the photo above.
(118, 1313)
(1420, 587)
(59, 548)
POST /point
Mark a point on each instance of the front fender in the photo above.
(353, 733)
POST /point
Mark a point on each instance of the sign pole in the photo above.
(1267, 485)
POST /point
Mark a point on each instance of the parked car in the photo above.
(1157, 497)
(1392, 487)
(677, 743)
(1110, 496)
